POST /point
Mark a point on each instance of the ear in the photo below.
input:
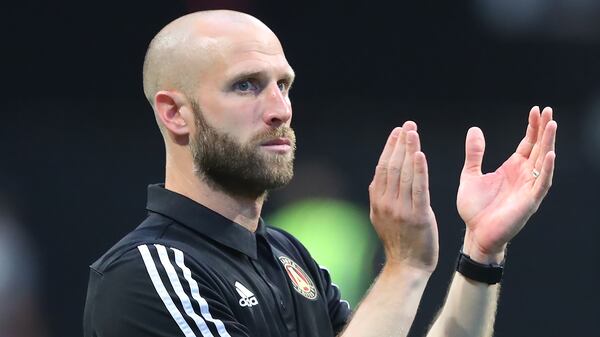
(173, 111)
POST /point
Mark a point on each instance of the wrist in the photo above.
(484, 256)
(406, 270)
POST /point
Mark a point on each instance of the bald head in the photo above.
(180, 52)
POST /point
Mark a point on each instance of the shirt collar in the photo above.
(203, 220)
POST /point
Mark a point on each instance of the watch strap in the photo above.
(486, 273)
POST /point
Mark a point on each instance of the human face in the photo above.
(243, 143)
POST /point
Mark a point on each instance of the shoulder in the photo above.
(293, 249)
(283, 237)
(152, 289)
(280, 234)
(143, 260)
(137, 262)
(285, 241)
(151, 231)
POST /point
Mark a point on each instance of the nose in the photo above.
(277, 109)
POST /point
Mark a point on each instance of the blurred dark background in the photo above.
(80, 143)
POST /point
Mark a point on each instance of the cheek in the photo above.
(240, 120)
(224, 110)
(243, 115)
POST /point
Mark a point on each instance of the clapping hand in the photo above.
(400, 209)
(495, 206)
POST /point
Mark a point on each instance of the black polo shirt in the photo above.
(188, 271)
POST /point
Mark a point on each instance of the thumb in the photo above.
(474, 149)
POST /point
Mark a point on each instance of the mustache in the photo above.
(281, 132)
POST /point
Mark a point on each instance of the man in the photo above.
(204, 264)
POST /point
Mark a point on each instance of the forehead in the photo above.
(242, 54)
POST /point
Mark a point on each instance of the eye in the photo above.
(284, 86)
(245, 86)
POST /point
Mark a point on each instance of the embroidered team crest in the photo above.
(302, 283)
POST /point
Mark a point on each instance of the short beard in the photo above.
(240, 169)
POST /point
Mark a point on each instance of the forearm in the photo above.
(469, 310)
(390, 306)
(470, 306)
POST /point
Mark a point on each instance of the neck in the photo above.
(181, 178)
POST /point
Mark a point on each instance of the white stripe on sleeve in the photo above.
(185, 300)
(162, 292)
(196, 294)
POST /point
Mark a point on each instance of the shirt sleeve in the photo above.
(339, 309)
(151, 291)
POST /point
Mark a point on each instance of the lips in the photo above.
(277, 141)
(278, 145)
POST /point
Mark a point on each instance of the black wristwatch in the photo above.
(486, 273)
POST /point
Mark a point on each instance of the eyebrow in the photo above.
(255, 73)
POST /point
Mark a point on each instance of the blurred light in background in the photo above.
(19, 307)
(339, 237)
(554, 19)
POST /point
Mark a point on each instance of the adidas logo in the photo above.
(247, 297)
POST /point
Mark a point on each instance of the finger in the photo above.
(546, 117)
(389, 146)
(544, 181)
(420, 185)
(526, 145)
(474, 149)
(547, 143)
(380, 178)
(396, 162)
(413, 145)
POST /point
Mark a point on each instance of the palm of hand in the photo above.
(495, 206)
